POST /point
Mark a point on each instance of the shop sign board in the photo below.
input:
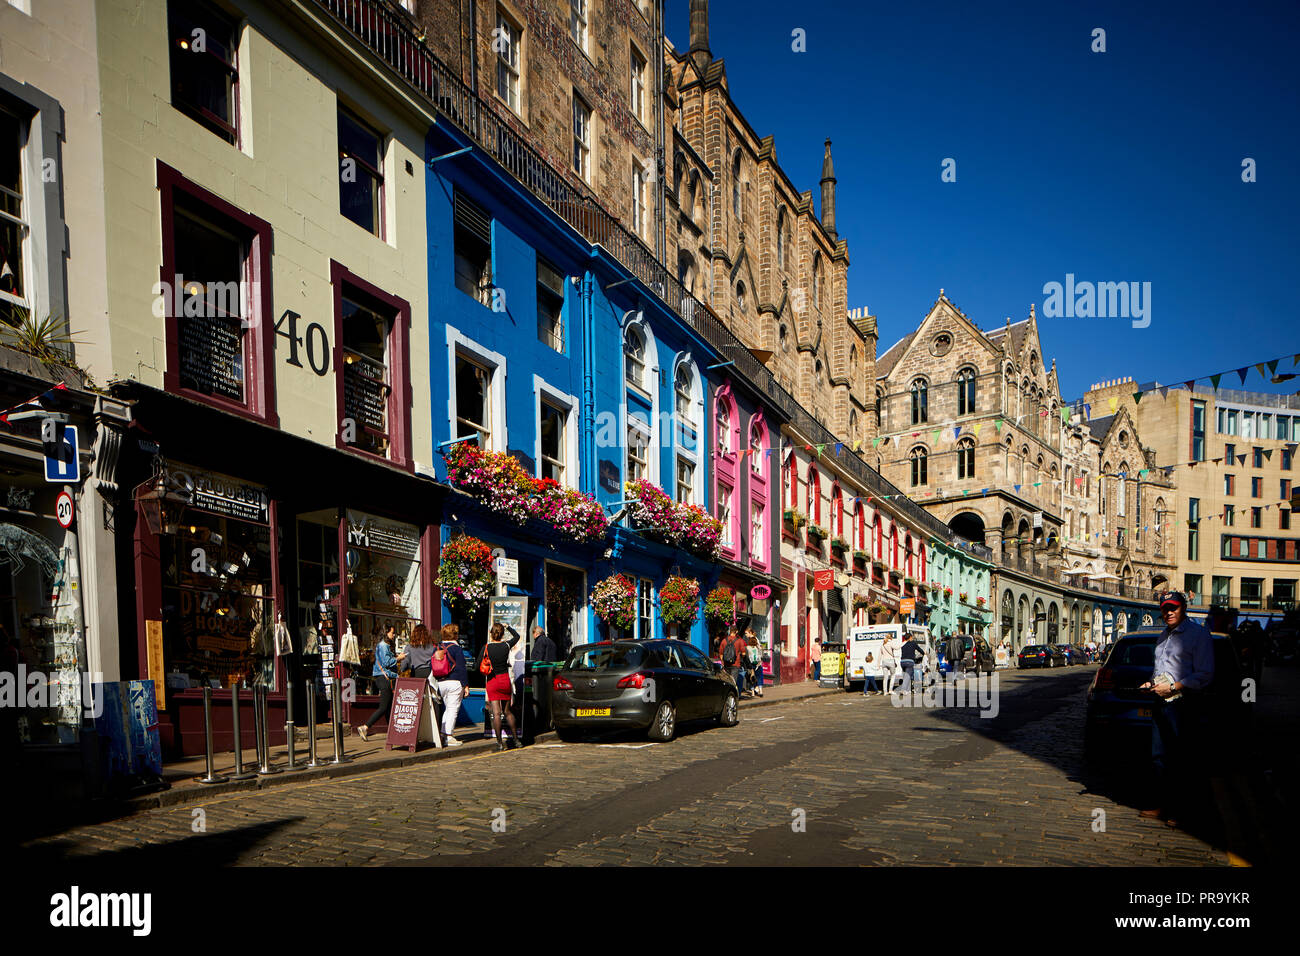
(760, 592)
(907, 606)
(381, 534)
(823, 580)
(223, 495)
(410, 722)
(510, 612)
(64, 466)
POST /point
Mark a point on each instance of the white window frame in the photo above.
(651, 362)
(695, 457)
(458, 345)
(639, 218)
(43, 246)
(646, 586)
(568, 404)
(579, 27)
(757, 550)
(637, 84)
(583, 170)
(515, 69)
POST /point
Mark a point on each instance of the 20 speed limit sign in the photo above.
(63, 510)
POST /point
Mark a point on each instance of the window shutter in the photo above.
(473, 217)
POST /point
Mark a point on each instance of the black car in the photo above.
(1118, 720)
(650, 685)
(1041, 655)
(978, 656)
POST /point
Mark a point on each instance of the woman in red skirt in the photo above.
(500, 685)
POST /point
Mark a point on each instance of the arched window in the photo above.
(792, 483)
(880, 405)
(686, 271)
(688, 407)
(837, 511)
(758, 448)
(853, 364)
(966, 458)
(735, 185)
(966, 391)
(679, 171)
(893, 545)
(853, 423)
(1024, 464)
(920, 402)
(859, 528)
(817, 281)
(634, 353)
(814, 497)
(878, 538)
(780, 238)
(724, 430)
(1121, 495)
(740, 295)
(907, 552)
(920, 460)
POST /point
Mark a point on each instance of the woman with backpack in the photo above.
(419, 652)
(755, 661)
(732, 651)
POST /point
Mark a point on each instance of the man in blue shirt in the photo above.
(1184, 662)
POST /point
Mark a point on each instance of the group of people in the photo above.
(743, 658)
(443, 664)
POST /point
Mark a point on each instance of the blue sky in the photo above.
(1117, 166)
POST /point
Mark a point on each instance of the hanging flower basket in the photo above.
(861, 600)
(980, 602)
(679, 601)
(947, 592)
(963, 597)
(876, 608)
(720, 605)
(499, 481)
(614, 601)
(465, 573)
(683, 526)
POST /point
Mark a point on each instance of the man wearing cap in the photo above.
(1184, 661)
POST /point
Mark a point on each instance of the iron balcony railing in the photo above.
(386, 35)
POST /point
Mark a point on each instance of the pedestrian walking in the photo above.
(911, 656)
(956, 650)
(869, 687)
(1183, 666)
(499, 685)
(755, 651)
(383, 674)
(732, 654)
(889, 662)
(816, 656)
(451, 676)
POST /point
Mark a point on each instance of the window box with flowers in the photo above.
(840, 545)
(465, 573)
(947, 592)
(878, 564)
(817, 533)
(499, 481)
(963, 597)
(679, 602)
(794, 519)
(980, 602)
(688, 527)
(614, 601)
(911, 581)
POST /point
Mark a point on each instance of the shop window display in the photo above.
(383, 582)
(40, 611)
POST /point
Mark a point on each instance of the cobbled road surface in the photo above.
(836, 780)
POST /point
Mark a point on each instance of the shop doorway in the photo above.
(566, 601)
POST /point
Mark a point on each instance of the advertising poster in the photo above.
(127, 726)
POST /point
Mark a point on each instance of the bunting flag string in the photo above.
(35, 400)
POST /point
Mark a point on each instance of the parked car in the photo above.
(1073, 655)
(650, 685)
(1041, 655)
(1117, 724)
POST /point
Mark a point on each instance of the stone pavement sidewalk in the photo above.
(184, 776)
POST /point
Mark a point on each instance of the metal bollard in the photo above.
(259, 714)
(337, 701)
(240, 773)
(257, 731)
(311, 724)
(207, 729)
(288, 726)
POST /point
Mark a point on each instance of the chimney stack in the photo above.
(700, 52)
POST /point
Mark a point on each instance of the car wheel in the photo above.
(570, 735)
(729, 715)
(664, 724)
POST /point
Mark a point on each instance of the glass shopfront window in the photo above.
(383, 581)
(216, 557)
(40, 611)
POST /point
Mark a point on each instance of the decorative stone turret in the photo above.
(700, 52)
(828, 192)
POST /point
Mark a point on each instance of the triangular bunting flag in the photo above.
(1261, 368)
(1164, 393)
(1137, 398)
(1087, 411)
(997, 427)
(839, 448)
(1113, 402)
(1241, 373)
(1215, 380)
(956, 433)
(875, 443)
(974, 428)
(1190, 384)
(820, 448)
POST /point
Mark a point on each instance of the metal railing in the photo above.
(389, 38)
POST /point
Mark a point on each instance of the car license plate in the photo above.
(593, 711)
(1144, 711)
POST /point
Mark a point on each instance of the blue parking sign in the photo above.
(65, 466)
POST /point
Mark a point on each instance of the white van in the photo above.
(869, 639)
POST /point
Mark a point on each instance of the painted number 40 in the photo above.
(314, 349)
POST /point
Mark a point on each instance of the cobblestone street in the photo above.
(871, 783)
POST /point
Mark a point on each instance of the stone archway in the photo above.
(968, 525)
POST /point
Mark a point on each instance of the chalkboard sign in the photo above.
(410, 722)
(212, 356)
(365, 395)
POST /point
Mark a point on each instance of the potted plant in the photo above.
(679, 601)
(465, 573)
(794, 519)
(614, 601)
(876, 609)
(720, 605)
(980, 601)
(963, 597)
(839, 544)
(947, 592)
(818, 532)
